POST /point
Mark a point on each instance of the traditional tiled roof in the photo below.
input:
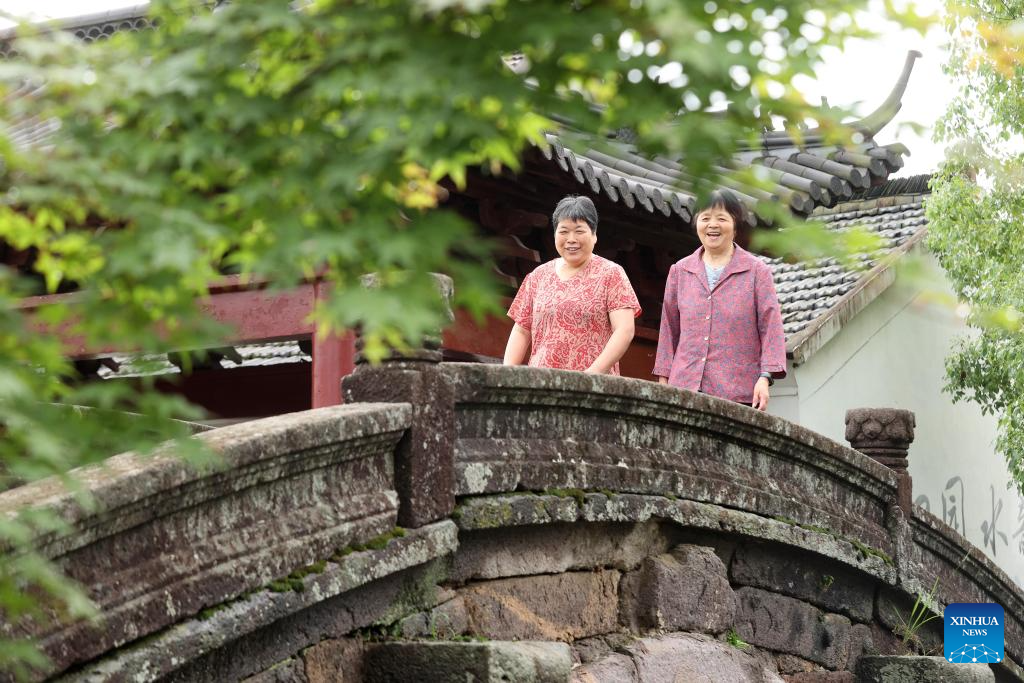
(804, 179)
(817, 297)
(245, 356)
(804, 174)
(92, 27)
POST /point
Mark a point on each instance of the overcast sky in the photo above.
(859, 77)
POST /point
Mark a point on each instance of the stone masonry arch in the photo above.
(587, 526)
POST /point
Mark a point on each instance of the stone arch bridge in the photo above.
(477, 523)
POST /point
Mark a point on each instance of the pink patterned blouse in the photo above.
(568, 319)
(718, 341)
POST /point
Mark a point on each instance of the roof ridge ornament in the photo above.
(868, 126)
(871, 124)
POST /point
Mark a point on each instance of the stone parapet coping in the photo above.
(533, 429)
(160, 540)
(127, 489)
(624, 397)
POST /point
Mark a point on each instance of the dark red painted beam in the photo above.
(334, 356)
(252, 315)
(255, 315)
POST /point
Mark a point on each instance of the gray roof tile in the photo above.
(808, 290)
(251, 355)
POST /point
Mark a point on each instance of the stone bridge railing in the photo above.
(448, 501)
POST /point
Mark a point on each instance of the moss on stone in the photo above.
(579, 495)
(493, 516)
(376, 633)
(315, 568)
(294, 581)
(734, 639)
(865, 551)
(417, 593)
(279, 586)
(378, 542)
(210, 611)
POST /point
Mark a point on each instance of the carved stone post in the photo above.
(424, 459)
(885, 434)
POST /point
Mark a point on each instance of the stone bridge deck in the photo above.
(636, 530)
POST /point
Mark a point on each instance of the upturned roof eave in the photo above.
(869, 125)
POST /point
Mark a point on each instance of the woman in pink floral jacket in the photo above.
(721, 329)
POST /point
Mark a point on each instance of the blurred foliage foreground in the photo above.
(286, 144)
(976, 213)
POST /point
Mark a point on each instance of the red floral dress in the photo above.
(568, 319)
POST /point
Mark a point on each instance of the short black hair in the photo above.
(724, 198)
(575, 208)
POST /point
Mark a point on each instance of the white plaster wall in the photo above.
(892, 355)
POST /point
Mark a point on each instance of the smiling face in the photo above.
(716, 228)
(574, 241)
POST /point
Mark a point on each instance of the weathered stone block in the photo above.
(547, 607)
(788, 625)
(821, 677)
(614, 668)
(686, 590)
(517, 509)
(555, 548)
(921, 670)
(289, 671)
(337, 660)
(791, 664)
(597, 648)
(799, 575)
(862, 643)
(679, 657)
(628, 437)
(444, 621)
(885, 642)
(1007, 671)
(523, 662)
(424, 459)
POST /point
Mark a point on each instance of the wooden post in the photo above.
(334, 356)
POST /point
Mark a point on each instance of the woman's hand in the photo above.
(621, 321)
(663, 380)
(761, 394)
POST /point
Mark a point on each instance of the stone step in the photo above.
(481, 662)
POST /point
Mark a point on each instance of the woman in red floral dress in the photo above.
(721, 328)
(575, 312)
